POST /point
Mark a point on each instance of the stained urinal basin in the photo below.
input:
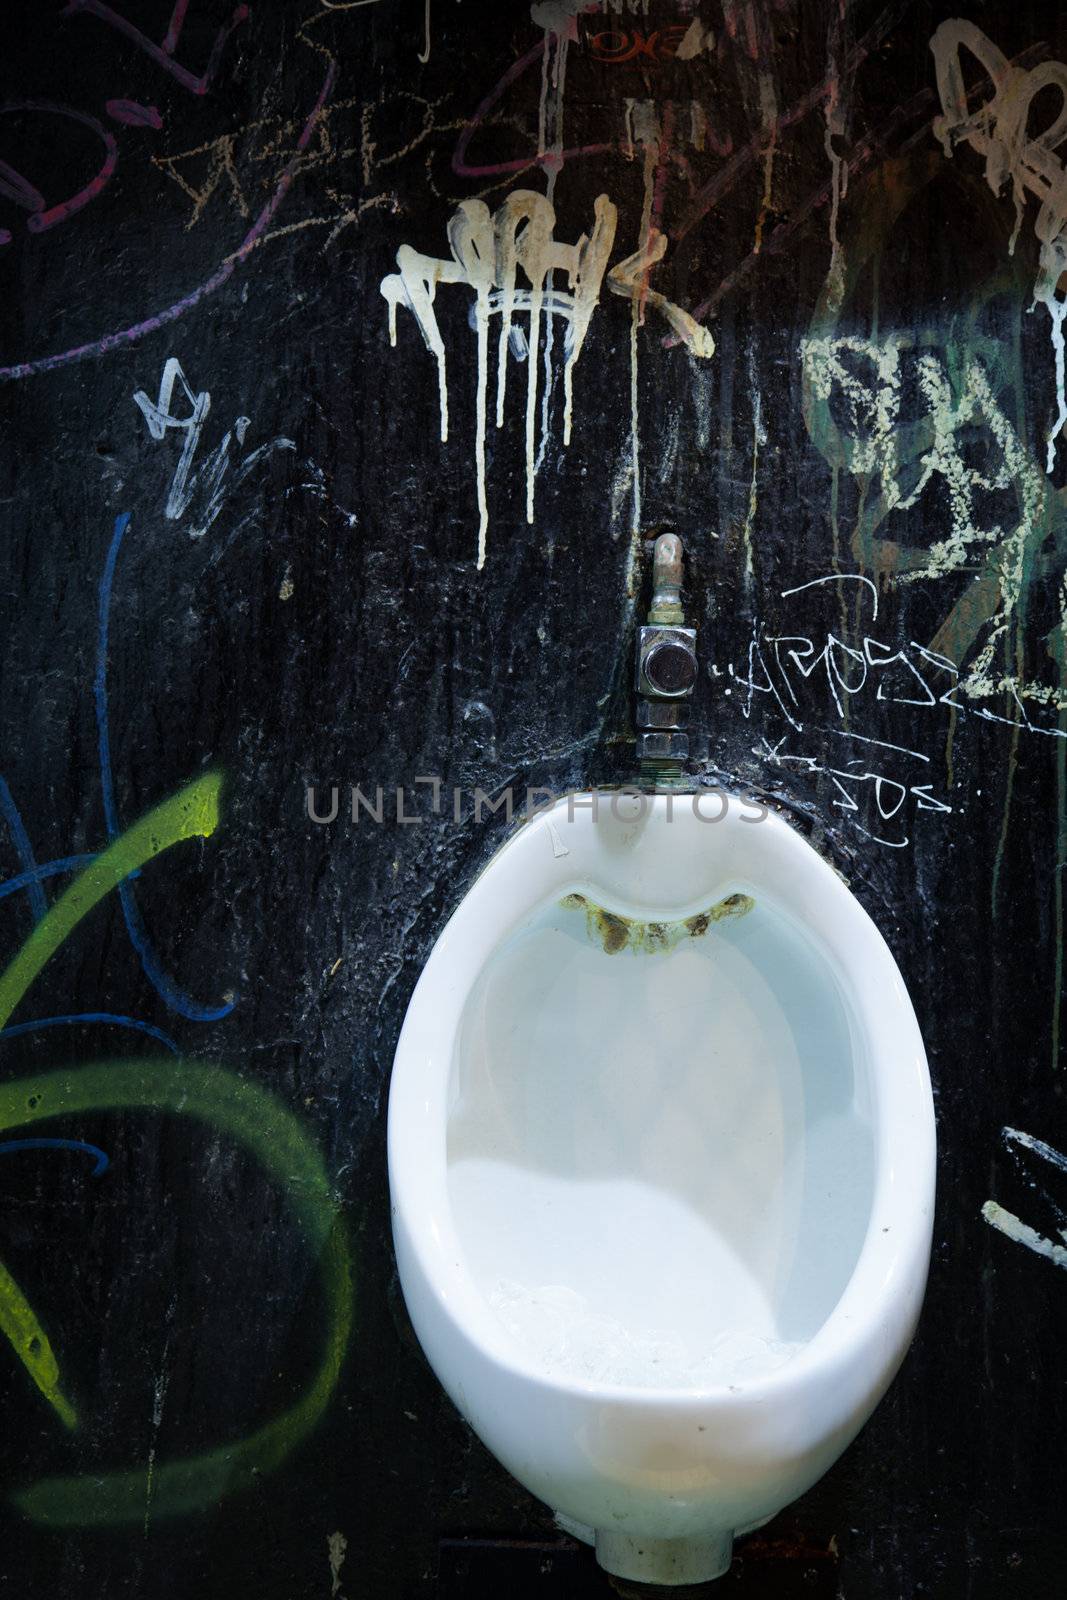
(659, 1146)
(661, 1155)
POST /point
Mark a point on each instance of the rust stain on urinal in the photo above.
(614, 932)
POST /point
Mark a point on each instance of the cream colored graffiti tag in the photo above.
(1029, 162)
(488, 251)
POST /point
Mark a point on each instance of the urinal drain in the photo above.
(662, 1591)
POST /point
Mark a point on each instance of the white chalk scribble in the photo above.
(212, 482)
(865, 379)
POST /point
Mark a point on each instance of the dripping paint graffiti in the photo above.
(487, 254)
(488, 251)
(999, 130)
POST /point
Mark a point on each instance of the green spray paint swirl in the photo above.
(255, 1119)
(191, 813)
(248, 1114)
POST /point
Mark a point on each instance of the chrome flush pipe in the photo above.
(666, 673)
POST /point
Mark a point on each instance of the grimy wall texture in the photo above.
(351, 355)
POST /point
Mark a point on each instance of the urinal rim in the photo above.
(886, 1286)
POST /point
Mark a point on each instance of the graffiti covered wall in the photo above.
(352, 351)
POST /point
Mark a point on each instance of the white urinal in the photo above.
(661, 1154)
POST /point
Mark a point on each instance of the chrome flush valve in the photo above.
(666, 671)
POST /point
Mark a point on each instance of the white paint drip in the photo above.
(337, 1547)
(560, 29)
(649, 137)
(832, 142)
(1057, 310)
(488, 253)
(628, 277)
(759, 439)
(416, 285)
(635, 419)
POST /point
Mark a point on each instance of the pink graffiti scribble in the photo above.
(19, 189)
(24, 194)
(177, 23)
(712, 192)
(162, 54)
(134, 114)
(125, 336)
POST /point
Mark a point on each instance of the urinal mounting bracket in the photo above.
(665, 672)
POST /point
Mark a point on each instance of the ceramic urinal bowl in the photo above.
(661, 1153)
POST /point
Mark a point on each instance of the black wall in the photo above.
(209, 1383)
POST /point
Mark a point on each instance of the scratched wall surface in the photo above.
(350, 355)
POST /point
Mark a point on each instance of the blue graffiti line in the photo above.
(24, 850)
(173, 996)
(91, 1016)
(44, 869)
(9, 1146)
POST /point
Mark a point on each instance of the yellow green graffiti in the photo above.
(255, 1119)
(28, 1339)
(243, 1111)
(190, 814)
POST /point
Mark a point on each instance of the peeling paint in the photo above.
(1007, 1223)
